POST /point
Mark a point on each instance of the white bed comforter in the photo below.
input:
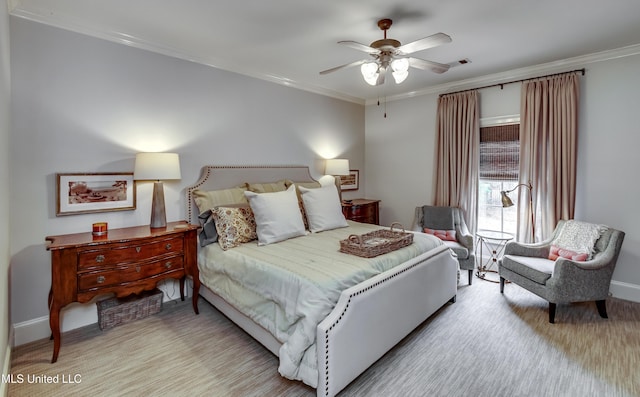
(290, 287)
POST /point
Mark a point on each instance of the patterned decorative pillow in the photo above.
(444, 235)
(557, 252)
(235, 225)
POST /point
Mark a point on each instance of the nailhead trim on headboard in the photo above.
(206, 174)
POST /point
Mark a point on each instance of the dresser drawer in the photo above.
(362, 210)
(128, 273)
(127, 252)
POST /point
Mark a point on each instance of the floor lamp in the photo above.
(157, 167)
(506, 202)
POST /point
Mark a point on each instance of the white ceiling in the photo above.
(291, 41)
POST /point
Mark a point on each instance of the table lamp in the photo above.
(157, 167)
(337, 167)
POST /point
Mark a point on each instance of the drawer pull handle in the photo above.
(138, 269)
(100, 279)
(138, 249)
(168, 246)
(167, 265)
(100, 258)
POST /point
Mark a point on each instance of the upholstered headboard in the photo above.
(216, 177)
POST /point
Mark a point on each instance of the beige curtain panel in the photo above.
(548, 151)
(457, 153)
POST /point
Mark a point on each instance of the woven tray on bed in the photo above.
(376, 243)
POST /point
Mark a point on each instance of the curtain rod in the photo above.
(501, 85)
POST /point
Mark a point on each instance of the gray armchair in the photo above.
(562, 280)
(448, 218)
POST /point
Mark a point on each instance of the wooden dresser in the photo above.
(362, 210)
(123, 262)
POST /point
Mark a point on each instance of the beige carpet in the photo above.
(486, 344)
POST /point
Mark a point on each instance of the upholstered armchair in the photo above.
(564, 280)
(448, 224)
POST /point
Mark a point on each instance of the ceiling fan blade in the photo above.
(422, 44)
(348, 65)
(359, 46)
(428, 65)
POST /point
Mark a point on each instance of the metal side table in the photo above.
(493, 242)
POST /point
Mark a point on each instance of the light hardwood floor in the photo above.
(485, 344)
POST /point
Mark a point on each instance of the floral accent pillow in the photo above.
(444, 235)
(235, 225)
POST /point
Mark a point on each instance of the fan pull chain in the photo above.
(384, 100)
(385, 106)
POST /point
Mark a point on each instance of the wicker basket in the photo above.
(376, 243)
(117, 311)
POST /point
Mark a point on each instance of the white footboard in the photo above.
(372, 317)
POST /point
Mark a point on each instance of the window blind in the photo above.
(500, 152)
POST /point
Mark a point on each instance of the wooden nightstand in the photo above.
(124, 262)
(362, 210)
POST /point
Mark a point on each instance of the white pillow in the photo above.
(277, 215)
(323, 209)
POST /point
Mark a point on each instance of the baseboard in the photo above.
(78, 315)
(6, 365)
(626, 291)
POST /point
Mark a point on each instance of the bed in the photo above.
(346, 327)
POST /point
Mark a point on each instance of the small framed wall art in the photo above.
(351, 181)
(82, 193)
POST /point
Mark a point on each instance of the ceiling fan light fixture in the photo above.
(370, 72)
(399, 77)
(400, 65)
(400, 68)
(388, 52)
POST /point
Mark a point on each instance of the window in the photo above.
(499, 166)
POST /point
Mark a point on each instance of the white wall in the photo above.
(5, 104)
(87, 105)
(400, 155)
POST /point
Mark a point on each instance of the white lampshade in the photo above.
(156, 166)
(336, 167)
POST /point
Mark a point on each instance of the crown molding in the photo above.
(518, 74)
(64, 22)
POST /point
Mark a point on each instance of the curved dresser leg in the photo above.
(54, 323)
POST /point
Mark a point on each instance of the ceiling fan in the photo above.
(390, 53)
